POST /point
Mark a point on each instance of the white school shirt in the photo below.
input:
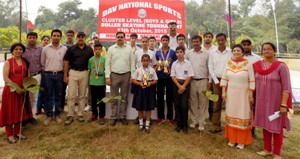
(138, 57)
(182, 70)
(217, 63)
(139, 73)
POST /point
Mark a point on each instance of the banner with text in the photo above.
(144, 17)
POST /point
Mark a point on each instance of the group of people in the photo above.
(252, 87)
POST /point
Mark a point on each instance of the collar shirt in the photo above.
(217, 63)
(199, 61)
(34, 58)
(182, 70)
(211, 49)
(139, 73)
(119, 60)
(52, 58)
(77, 57)
(252, 58)
(138, 57)
(66, 44)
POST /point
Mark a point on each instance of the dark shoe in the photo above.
(213, 131)
(20, 136)
(185, 130)
(102, 121)
(112, 122)
(147, 129)
(136, 121)
(33, 121)
(178, 129)
(141, 127)
(124, 121)
(69, 120)
(11, 140)
(92, 118)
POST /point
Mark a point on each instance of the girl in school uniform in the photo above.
(144, 99)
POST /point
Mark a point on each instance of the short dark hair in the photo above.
(133, 35)
(221, 34)
(145, 37)
(180, 35)
(145, 55)
(269, 43)
(120, 32)
(13, 46)
(152, 37)
(97, 45)
(165, 36)
(70, 31)
(208, 33)
(32, 34)
(238, 46)
(180, 48)
(196, 37)
(56, 30)
(45, 36)
(172, 23)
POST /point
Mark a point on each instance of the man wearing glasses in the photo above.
(119, 66)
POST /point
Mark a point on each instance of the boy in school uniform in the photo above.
(181, 74)
(96, 66)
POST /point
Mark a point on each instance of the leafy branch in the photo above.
(210, 95)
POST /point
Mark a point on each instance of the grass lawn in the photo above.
(90, 140)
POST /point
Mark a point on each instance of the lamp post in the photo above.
(275, 21)
(20, 23)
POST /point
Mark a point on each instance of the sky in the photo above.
(33, 5)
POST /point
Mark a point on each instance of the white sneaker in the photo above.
(192, 126)
(264, 153)
(201, 128)
(87, 108)
(240, 146)
(231, 144)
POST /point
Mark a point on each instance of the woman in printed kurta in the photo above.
(273, 93)
(238, 84)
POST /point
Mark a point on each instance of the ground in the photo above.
(90, 140)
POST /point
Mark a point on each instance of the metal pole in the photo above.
(26, 16)
(275, 21)
(20, 23)
(230, 30)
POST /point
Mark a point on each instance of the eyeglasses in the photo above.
(120, 37)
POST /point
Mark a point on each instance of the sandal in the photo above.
(11, 140)
(20, 136)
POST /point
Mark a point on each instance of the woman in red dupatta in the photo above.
(273, 93)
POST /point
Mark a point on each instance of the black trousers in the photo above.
(181, 106)
(161, 85)
(97, 93)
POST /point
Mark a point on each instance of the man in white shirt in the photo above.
(248, 54)
(217, 63)
(198, 102)
(133, 39)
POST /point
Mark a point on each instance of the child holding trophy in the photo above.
(144, 99)
(97, 84)
(165, 57)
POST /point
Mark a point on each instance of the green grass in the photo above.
(90, 140)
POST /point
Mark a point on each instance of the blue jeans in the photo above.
(53, 92)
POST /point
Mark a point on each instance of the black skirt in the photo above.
(144, 99)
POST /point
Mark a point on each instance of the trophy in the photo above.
(145, 79)
(166, 65)
(159, 64)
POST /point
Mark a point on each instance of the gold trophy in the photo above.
(145, 79)
(166, 65)
(159, 64)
